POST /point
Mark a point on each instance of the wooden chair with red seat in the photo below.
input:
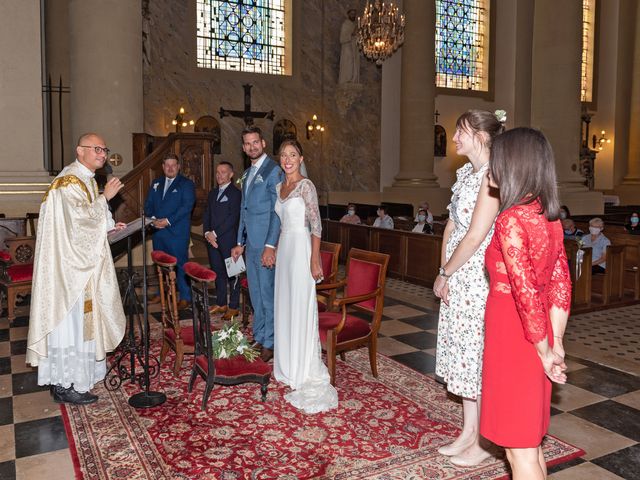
(17, 270)
(223, 371)
(363, 285)
(246, 301)
(329, 253)
(174, 337)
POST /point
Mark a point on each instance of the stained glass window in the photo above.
(244, 35)
(588, 42)
(462, 44)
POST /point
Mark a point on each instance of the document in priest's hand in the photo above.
(132, 227)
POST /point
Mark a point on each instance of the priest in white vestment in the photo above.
(76, 309)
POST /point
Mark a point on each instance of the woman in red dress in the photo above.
(528, 303)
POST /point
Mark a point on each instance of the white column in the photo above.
(417, 96)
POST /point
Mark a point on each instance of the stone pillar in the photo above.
(417, 96)
(106, 72)
(555, 95)
(633, 160)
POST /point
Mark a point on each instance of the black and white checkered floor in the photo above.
(598, 410)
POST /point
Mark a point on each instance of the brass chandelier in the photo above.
(380, 30)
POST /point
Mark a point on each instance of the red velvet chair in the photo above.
(329, 253)
(224, 371)
(174, 337)
(363, 285)
(17, 270)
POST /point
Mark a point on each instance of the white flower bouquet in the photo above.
(229, 342)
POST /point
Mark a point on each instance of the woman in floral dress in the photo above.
(462, 283)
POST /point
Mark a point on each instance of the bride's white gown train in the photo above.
(297, 353)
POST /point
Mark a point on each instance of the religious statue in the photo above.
(349, 54)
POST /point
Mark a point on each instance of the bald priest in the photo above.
(76, 309)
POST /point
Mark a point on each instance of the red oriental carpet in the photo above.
(385, 428)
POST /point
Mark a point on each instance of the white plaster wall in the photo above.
(20, 89)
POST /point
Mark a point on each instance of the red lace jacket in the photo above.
(527, 260)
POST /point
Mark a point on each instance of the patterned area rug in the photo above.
(385, 428)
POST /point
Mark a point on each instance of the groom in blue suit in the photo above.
(258, 233)
(170, 200)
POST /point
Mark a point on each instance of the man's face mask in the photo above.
(422, 218)
(351, 212)
(634, 220)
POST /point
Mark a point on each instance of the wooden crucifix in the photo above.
(247, 115)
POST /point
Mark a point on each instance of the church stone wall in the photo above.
(346, 158)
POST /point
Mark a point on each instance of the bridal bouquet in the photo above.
(229, 342)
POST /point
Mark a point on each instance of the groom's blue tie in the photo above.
(252, 173)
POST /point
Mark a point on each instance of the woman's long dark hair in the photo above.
(523, 167)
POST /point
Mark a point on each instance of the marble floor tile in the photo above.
(594, 440)
(34, 406)
(569, 397)
(419, 361)
(401, 311)
(5, 349)
(4, 321)
(565, 465)
(585, 471)
(389, 347)
(4, 334)
(6, 411)
(26, 383)
(40, 436)
(624, 463)
(604, 381)
(19, 364)
(5, 386)
(8, 470)
(19, 347)
(573, 365)
(420, 340)
(18, 333)
(391, 328)
(631, 399)
(5, 365)
(22, 320)
(613, 416)
(52, 466)
(426, 322)
(7, 446)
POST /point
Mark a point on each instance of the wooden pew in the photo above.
(581, 286)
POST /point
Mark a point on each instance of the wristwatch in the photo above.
(442, 273)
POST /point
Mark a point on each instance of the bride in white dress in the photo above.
(297, 353)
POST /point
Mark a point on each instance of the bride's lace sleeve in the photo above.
(312, 212)
(514, 244)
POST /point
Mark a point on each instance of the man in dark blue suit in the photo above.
(170, 201)
(220, 228)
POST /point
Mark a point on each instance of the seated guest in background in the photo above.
(425, 206)
(564, 212)
(351, 216)
(423, 225)
(220, 226)
(599, 243)
(571, 232)
(633, 227)
(383, 220)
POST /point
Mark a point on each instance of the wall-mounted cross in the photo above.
(247, 115)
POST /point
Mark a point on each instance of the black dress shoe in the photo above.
(69, 395)
(267, 354)
(256, 346)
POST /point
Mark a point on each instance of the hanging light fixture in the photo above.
(380, 30)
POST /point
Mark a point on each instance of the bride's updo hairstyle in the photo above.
(290, 142)
(523, 167)
(476, 121)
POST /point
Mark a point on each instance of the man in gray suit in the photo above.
(258, 233)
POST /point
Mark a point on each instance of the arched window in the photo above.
(244, 35)
(462, 44)
(588, 49)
